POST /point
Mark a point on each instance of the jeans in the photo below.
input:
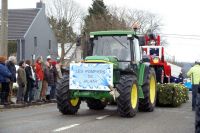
(20, 93)
(29, 93)
(4, 92)
(11, 91)
(38, 92)
(52, 91)
(194, 95)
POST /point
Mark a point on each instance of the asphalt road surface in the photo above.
(47, 119)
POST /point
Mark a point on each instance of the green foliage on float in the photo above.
(171, 94)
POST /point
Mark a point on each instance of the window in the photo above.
(137, 53)
(118, 46)
(35, 41)
(49, 44)
(154, 51)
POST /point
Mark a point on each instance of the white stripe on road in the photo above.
(102, 117)
(74, 125)
(65, 128)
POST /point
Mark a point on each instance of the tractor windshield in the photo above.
(118, 46)
(154, 51)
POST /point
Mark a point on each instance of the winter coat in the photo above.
(194, 73)
(29, 75)
(39, 71)
(21, 78)
(50, 75)
(12, 69)
(5, 74)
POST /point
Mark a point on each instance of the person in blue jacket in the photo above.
(5, 76)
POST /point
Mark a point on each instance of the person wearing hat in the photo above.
(5, 76)
(40, 77)
(50, 75)
(49, 60)
(11, 66)
(44, 82)
(194, 73)
(21, 80)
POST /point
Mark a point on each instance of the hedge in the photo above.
(171, 94)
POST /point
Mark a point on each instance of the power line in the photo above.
(187, 38)
(185, 35)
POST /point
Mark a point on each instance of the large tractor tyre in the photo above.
(160, 75)
(197, 116)
(95, 104)
(65, 104)
(127, 102)
(149, 90)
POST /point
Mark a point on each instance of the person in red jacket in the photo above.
(40, 76)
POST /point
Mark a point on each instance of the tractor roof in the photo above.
(112, 32)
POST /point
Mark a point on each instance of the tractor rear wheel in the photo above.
(127, 102)
(65, 104)
(149, 90)
(95, 104)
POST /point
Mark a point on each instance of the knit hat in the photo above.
(48, 57)
(53, 62)
(3, 58)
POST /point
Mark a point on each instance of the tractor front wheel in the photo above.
(149, 90)
(127, 102)
(65, 104)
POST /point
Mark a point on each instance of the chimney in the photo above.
(40, 4)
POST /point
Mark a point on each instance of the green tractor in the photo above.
(113, 70)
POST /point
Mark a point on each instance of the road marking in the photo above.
(65, 128)
(102, 117)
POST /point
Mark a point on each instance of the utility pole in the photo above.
(4, 28)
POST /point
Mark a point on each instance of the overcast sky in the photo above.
(178, 16)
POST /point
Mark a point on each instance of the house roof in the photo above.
(19, 21)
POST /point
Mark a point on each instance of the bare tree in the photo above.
(63, 16)
(147, 20)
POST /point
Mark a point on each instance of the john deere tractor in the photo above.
(113, 70)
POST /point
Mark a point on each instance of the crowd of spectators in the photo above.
(36, 80)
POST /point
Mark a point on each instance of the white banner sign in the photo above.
(91, 76)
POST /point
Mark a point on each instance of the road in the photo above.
(47, 119)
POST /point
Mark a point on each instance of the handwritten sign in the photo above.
(91, 76)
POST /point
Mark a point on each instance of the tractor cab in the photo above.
(151, 47)
(124, 48)
(155, 53)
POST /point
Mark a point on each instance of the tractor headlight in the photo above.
(155, 60)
